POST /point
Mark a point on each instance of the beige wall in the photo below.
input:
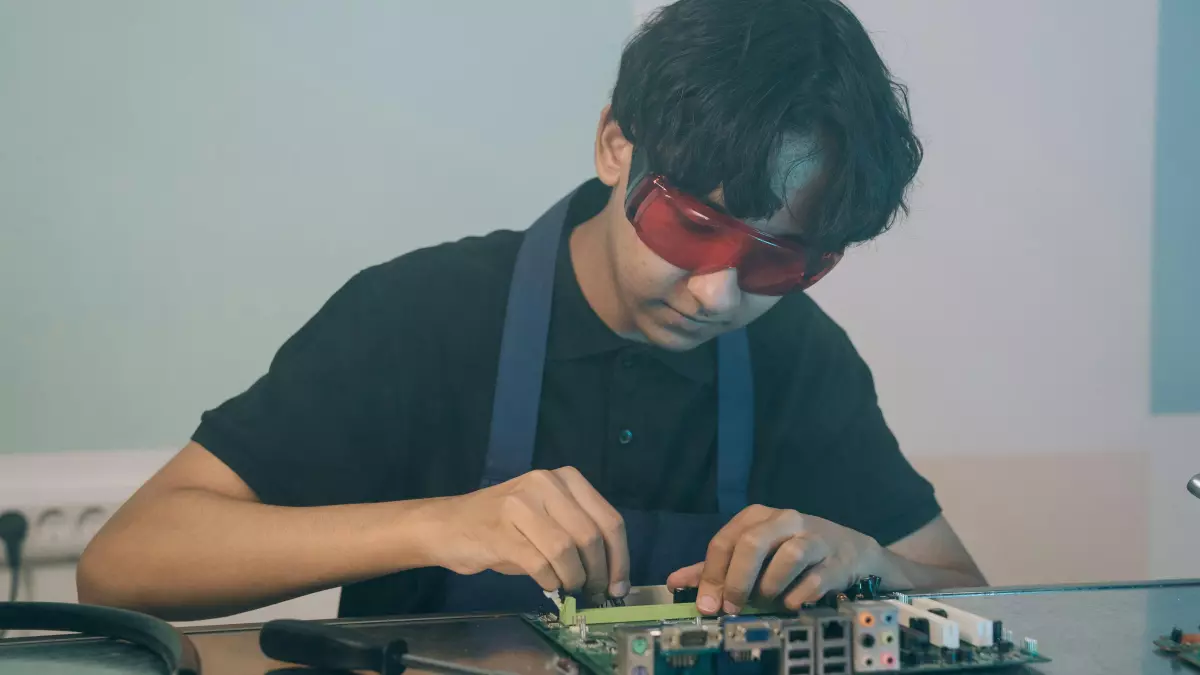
(1048, 518)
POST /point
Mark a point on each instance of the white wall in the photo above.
(1007, 321)
(181, 187)
(1011, 313)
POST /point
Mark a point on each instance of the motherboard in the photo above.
(657, 632)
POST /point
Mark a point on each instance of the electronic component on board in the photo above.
(971, 628)
(942, 631)
(832, 634)
(799, 645)
(747, 634)
(865, 636)
(635, 650)
(876, 636)
(1183, 646)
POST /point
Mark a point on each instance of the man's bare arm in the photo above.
(934, 557)
(196, 543)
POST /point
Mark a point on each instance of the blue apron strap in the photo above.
(523, 349)
(735, 421)
(522, 362)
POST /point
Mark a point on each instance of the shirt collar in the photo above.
(576, 331)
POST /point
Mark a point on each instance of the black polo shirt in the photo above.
(386, 394)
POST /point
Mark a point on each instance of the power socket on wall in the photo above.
(68, 496)
(59, 533)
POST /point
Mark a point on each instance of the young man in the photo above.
(634, 390)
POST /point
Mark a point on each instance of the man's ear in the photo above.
(613, 151)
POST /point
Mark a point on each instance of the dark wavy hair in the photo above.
(708, 89)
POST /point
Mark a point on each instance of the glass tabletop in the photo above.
(1085, 630)
(79, 657)
(1092, 630)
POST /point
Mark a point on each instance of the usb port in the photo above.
(799, 654)
(834, 652)
(798, 635)
(832, 668)
(799, 670)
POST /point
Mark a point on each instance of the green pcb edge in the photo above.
(638, 613)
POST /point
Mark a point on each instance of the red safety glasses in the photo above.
(696, 237)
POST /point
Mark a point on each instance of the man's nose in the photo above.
(717, 292)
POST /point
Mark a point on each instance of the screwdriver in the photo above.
(340, 648)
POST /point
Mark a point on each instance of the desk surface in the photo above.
(1090, 630)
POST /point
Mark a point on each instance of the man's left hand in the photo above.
(805, 558)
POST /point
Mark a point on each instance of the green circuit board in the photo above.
(592, 638)
(1188, 653)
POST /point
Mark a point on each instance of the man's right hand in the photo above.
(551, 525)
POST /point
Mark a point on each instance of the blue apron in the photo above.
(660, 542)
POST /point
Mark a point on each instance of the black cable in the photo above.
(14, 527)
(160, 637)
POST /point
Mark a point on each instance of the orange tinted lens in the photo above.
(693, 237)
(772, 270)
(685, 238)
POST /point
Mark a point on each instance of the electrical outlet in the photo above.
(59, 533)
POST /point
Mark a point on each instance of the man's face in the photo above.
(670, 307)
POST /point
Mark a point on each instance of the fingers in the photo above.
(710, 593)
(553, 542)
(687, 577)
(531, 562)
(790, 560)
(828, 575)
(752, 549)
(560, 504)
(613, 547)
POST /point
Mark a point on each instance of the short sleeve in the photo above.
(840, 460)
(311, 431)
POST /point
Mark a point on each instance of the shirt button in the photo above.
(625, 437)
(628, 361)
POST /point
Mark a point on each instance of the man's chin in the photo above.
(673, 339)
